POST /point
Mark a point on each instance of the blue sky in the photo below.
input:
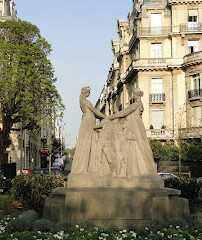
(80, 33)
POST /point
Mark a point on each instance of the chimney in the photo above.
(7, 11)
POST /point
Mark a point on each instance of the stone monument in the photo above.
(113, 180)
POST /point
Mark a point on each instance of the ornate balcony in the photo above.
(157, 134)
(157, 97)
(191, 27)
(192, 132)
(194, 57)
(153, 31)
(195, 94)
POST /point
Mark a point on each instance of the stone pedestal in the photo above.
(116, 206)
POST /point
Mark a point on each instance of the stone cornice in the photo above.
(175, 2)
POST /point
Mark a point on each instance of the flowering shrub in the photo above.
(33, 189)
(76, 232)
(189, 187)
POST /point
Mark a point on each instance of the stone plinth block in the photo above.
(115, 206)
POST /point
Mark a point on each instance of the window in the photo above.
(196, 82)
(193, 46)
(156, 50)
(193, 19)
(157, 90)
(155, 19)
(156, 85)
(197, 116)
(156, 23)
(157, 118)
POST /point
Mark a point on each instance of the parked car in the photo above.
(5, 184)
(58, 165)
(54, 171)
(165, 176)
(27, 171)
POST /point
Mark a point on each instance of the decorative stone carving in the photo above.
(117, 148)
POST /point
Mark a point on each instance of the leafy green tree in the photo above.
(164, 152)
(27, 90)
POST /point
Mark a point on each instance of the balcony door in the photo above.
(196, 82)
(157, 118)
(156, 89)
(193, 46)
(197, 116)
(156, 23)
(156, 50)
(193, 20)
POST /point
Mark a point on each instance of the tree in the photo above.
(27, 90)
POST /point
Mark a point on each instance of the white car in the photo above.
(165, 176)
(58, 165)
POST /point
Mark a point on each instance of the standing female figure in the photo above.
(85, 146)
(140, 158)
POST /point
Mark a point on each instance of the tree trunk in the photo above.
(4, 140)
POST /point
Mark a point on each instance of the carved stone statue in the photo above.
(117, 148)
(86, 138)
(114, 180)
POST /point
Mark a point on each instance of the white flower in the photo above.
(77, 226)
(177, 227)
(134, 235)
(81, 229)
(124, 231)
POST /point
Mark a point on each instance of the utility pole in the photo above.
(21, 145)
(50, 145)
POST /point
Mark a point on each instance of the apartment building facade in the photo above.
(159, 51)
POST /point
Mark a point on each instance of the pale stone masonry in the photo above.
(7, 10)
(159, 51)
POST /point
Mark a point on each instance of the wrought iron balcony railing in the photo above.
(195, 93)
(157, 97)
(190, 27)
(150, 31)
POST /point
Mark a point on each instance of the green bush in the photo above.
(5, 203)
(66, 225)
(33, 189)
(166, 152)
(42, 225)
(22, 223)
(190, 189)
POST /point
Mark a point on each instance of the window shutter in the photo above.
(156, 20)
(197, 116)
(156, 85)
(157, 118)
